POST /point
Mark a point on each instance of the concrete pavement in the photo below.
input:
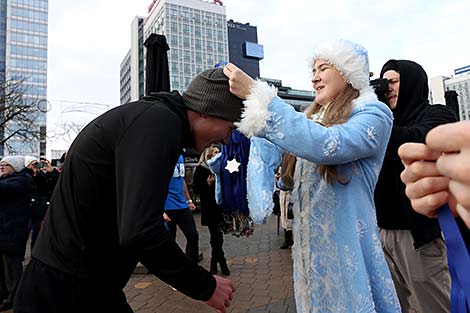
(261, 272)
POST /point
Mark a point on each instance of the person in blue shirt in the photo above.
(178, 210)
(340, 143)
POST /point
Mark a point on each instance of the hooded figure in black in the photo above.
(412, 243)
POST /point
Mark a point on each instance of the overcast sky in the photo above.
(88, 40)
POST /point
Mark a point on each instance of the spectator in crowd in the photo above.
(286, 184)
(179, 209)
(45, 178)
(211, 212)
(340, 142)
(414, 248)
(108, 204)
(60, 164)
(16, 187)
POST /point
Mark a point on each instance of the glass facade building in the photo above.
(196, 32)
(244, 50)
(461, 84)
(23, 57)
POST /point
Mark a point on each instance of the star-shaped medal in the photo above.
(232, 166)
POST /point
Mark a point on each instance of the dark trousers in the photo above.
(185, 220)
(11, 268)
(43, 289)
(216, 241)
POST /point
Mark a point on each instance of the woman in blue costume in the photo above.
(340, 143)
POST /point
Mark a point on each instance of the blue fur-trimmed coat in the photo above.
(339, 265)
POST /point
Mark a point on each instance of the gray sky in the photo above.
(88, 40)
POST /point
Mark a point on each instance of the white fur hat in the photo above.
(28, 159)
(15, 161)
(349, 58)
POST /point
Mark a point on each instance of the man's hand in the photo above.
(223, 294)
(439, 172)
(240, 83)
(453, 142)
(191, 206)
(166, 218)
(425, 186)
(47, 165)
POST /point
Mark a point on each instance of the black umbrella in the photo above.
(157, 76)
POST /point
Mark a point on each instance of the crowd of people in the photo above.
(26, 185)
(359, 183)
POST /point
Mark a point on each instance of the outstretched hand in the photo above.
(439, 172)
(426, 188)
(223, 294)
(240, 83)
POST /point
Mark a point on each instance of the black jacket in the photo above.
(106, 211)
(211, 212)
(44, 183)
(414, 117)
(15, 210)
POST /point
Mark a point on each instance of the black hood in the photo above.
(175, 103)
(413, 93)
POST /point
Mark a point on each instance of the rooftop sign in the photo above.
(462, 70)
(150, 7)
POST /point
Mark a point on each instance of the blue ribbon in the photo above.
(458, 259)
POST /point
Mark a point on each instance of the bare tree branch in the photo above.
(18, 114)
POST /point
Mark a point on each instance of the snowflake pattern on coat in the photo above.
(339, 265)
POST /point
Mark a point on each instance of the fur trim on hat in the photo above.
(256, 112)
(349, 58)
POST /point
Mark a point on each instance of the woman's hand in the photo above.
(240, 83)
(210, 180)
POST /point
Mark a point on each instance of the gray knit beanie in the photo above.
(209, 93)
(15, 161)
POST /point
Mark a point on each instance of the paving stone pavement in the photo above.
(261, 272)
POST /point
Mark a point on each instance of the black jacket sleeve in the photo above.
(432, 116)
(145, 158)
(199, 179)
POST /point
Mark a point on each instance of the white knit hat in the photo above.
(28, 159)
(349, 58)
(15, 161)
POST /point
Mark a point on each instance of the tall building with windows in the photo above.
(196, 32)
(23, 57)
(460, 82)
(132, 67)
(244, 50)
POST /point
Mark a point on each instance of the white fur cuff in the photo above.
(256, 112)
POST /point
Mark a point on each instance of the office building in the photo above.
(23, 58)
(460, 83)
(244, 50)
(196, 32)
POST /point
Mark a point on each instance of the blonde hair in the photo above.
(337, 112)
(207, 153)
(287, 170)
